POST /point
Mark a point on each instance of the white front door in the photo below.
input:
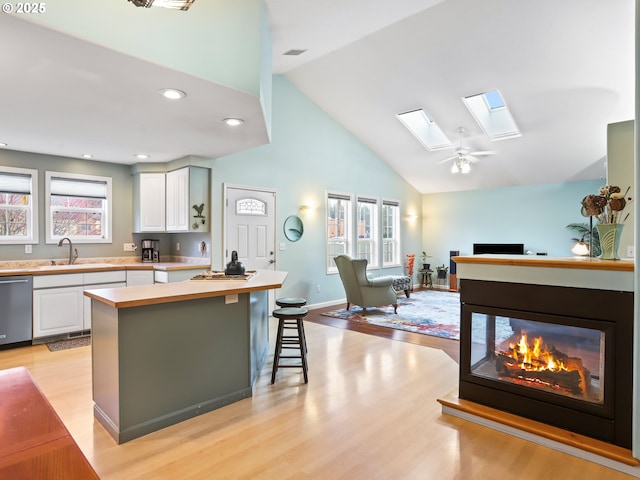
(250, 219)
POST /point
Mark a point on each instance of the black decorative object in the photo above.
(234, 267)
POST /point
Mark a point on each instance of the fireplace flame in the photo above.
(534, 358)
(539, 364)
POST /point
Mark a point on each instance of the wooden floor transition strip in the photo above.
(555, 434)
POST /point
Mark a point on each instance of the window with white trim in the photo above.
(78, 207)
(339, 228)
(367, 230)
(18, 205)
(390, 233)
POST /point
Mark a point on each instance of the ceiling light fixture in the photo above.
(173, 4)
(233, 122)
(142, 156)
(87, 155)
(172, 93)
(461, 165)
(2, 144)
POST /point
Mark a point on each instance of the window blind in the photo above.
(78, 188)
(15, 183)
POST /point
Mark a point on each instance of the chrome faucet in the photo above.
(73, 252)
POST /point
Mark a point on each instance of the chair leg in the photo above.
(395, 308)
(348, 305)
(303, 349)
(278, 350)
(406, 292)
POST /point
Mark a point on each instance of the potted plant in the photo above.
(442, 271)
(425, 266)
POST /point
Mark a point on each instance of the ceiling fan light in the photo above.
(454, 168)
(465, 168)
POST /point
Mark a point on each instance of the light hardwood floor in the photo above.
(368, 412)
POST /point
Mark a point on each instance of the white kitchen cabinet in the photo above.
(59, 304)
(149, 201)
(86, 324)
(57, 310)
(139, 277)
(171, 276)
(187, 207)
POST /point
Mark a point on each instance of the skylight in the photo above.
(492, 114)
(425, 129)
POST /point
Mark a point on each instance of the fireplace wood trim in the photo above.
(452, 403)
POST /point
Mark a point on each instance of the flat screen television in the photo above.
(499, 248)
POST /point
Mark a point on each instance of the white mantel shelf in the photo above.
(581, 272)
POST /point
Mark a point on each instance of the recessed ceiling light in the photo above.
(172, 93)
(2, 144)
(233, 122)
(142, 156)
(87, 155)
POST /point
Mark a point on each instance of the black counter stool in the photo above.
(293, 302)
(290, 318)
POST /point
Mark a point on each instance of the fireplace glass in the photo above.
(559, 359)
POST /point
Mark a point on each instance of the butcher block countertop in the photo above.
(97, 267)
(187, 290)
(544, 261)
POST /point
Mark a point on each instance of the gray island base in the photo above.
(172, 352)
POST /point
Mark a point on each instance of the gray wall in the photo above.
(122, 201)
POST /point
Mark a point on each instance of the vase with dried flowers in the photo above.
(607, 207)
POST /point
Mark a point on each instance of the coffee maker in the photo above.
(150, 250)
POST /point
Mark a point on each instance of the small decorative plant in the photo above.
(442, 271)
(425, 265)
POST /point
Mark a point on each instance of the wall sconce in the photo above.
(307, 208)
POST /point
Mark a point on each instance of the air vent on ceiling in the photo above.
(294, 52)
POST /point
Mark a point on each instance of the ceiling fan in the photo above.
(463, 157)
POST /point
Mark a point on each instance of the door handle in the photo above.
(272, 261)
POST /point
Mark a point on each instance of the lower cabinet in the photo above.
(57, 311)
(87, 301)
(139, 277)
(59, 304)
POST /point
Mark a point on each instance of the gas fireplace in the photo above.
(558, 355)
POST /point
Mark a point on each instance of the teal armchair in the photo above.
(362, 289)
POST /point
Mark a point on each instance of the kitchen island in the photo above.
(167, 352)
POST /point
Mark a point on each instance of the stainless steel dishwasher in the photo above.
(16, 301)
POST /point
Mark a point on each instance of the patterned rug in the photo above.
(430, 312)
(69, 343)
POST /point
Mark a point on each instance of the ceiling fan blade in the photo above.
(472, 159)
(482, 152)
(447, 159)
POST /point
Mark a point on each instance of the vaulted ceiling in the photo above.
(565, 68)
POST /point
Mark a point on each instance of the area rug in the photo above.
(69, 343)
(429, 312)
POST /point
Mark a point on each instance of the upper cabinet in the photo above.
(177, 201)
(149, 197)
